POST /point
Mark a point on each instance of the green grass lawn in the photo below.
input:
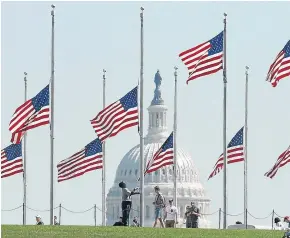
(13, 231)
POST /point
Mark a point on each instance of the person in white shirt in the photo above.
(278, 224)
(170, 215)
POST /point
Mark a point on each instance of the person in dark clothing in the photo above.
(193, 214)
(126, 201)
(119, 223)
(187, 217)
(38, 220)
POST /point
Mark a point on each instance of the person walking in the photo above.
(159, 204)
(171, 215)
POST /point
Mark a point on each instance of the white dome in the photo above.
(189, 187)
(187, 174)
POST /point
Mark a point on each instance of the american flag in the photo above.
(118, 116)
(204, 59)
(33, 113)
(163, 157)
(281, 66)
(283, 159)
(235, 153)
(88, 159)
(11, 160)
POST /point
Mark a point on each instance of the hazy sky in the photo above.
(92, 36)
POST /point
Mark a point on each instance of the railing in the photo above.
(61, 208)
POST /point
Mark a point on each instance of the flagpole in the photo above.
(225, 125)
(52, 117)
(104, 159)
(24, 157)
(141, 127)
(246, 154)
(175, 137)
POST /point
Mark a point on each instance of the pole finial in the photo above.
(104, 74)
(25, 74)
(175, 71)
(141, 14)
(52, 9)
(225, 17)
(247, 69)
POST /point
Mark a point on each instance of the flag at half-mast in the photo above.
(87, 159)
(118, 116)
(164, 156)
(31, 114)
(283, 159)
(281, 66)
(11, 160)
(204, 59)
(235, 153)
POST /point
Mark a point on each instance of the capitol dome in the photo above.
(189, 187)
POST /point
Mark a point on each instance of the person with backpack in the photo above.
(159, 204)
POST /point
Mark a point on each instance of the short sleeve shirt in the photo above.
(171, 212)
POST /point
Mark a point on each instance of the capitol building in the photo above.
(189, 187)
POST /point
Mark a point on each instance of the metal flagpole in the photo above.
(24, 157)
(175, 137)
(104, 159)
(246, 154)
(225, 124)
(52, 117)
(141, 129)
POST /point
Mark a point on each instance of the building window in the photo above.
(125, 173)
(121, 172)
(147, 211)
(170, 171)
(136, 172)
(156, 172)
(130, 172)
(157, 120)
(164, 122)
(163, 171)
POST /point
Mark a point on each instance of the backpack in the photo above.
(160, 202)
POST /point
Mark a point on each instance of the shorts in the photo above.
(169, 223)
(158, 213)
